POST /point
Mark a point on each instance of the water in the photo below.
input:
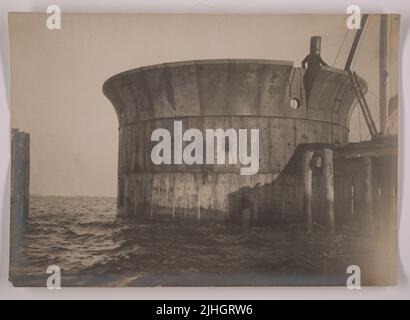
(83, 236)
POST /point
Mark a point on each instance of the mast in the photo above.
(383, 74)
(356, 42)
(356, 85)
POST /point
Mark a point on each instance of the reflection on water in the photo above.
(83, 236)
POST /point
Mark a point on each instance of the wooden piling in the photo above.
(307, 189)
(174, 198)
(330, 187)
(152, 200)
(198, 204)
(283, 203)
(20, 195)
(20, 174)
(367, 190)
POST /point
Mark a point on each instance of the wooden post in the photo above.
(26, 174)
(198, 204)
(173, 200)
(152, 198)
(256, 208)
(20, 193)
(307, 189)
(20, 175)
(283, 203)
(330, 187)
(367, 190)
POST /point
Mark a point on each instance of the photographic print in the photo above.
(203, 150)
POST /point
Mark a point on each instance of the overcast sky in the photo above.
(57, 77)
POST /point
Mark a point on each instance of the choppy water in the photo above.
(93, 247)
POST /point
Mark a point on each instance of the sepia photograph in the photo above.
(186, 150)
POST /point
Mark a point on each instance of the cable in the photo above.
(371, 92)
(340, 49)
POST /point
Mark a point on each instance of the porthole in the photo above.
(294, 103)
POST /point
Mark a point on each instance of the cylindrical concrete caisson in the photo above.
(241, 94)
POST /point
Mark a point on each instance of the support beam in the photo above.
(307, 189)
(151, 214)
(198, 213)
(356, 42)
(174, 198)
(256, 209)
(283, 203)
(330, 187)
(363, 105)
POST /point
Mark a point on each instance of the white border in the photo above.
(402, 291)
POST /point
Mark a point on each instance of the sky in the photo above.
(57, 77)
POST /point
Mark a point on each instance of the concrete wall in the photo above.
(240, 94)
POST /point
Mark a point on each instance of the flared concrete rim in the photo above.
(198, 62)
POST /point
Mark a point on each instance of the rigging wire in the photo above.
(372, 93)
(341, 46)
